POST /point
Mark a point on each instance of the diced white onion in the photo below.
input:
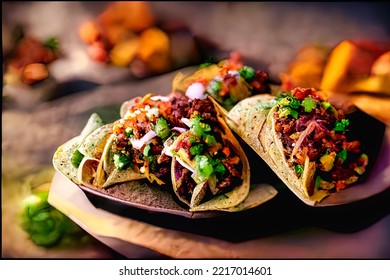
(138, 143)
(186, 121)
(180, 129)
(153, 112)
(185, 165)
(233, 73)
(196, 91)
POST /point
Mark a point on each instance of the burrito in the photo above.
(304, 139)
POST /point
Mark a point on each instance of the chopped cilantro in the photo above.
(129, 132)
(286, 111)
(290, 102)
(161, 128)
(198, 127)
(203, 166)
(197, 149)
(318, 181)
(214, 87)
(326, 105)
(298, 169)
(342, 155)
(308, 104)
(341, 125)
(146, 150)
(248, 73)
(121, 161)
(51, 43)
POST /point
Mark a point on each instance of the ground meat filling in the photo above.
(312, 133)
(184, 181)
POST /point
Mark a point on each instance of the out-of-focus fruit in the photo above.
(154, 49)
(124, 51)
(134, 15)
(98, 52)
(349, 66)
(34, 73)
(89, 32)
(306, 68)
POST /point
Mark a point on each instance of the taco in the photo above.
(303, 138)
(136, 147)
(227, 81)
(210, 170)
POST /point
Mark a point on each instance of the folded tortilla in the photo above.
(197, 199)
(254, 120)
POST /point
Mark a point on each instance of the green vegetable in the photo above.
(204, 167)
(248, 73)
(199, 128)
(214, 87)
(146, 150)
(77, 158)
(326, 105)
(121, 161)
(286, 111)
(197, 149)
(317, 183)
(129, 132)
(161, 128)
(308, 104)
(342, 155)
(290, 102)
(229, 102)
(298, 169)
(51, 43)
(45, 225)
(341, 125)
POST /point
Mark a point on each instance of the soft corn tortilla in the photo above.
(252, 119)
(227, 201)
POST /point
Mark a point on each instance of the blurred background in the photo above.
(63, 60)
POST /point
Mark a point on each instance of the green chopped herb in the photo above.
(298, 169)
(290, 102)
(317, 183)
(214, 87)
(326, 105)
(308, 104)
(199, 128)
(129, 132)
(45, 225)
(161, 128)
(121, 161)
(228, 103)
(51, 43)
(342, 155)
(146, 150)
(219, 167)
(204, 65)
(209, 139)
(341, 125)
(197, 149)
(248, 73)
(203, 167)
(286, 111)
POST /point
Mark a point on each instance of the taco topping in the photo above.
(233, 82)
(209, 156)
(139, 138)
(311, 128)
